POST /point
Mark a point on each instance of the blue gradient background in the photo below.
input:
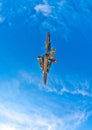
(66, 101)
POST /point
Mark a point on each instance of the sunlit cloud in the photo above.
(7, 127)
(68, 86)
(39, 118)
(19, 120)
(45, 8)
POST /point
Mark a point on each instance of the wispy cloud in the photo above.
(77, 87)
(55, 19)
(7, 127)
(19, 120)
(44, 8)
(60, 16)
(70, 86)
(14, 117)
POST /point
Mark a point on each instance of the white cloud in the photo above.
(81, 92)
(37, 118)
(7, 127)
(19, 120)
(54, 21)
(68, 86)
(45, 8)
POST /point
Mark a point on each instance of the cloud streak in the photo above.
(66, 85)
(58, 16)
(28, 116)
(19, 120)
(70, 86)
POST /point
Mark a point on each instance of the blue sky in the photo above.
(66, 101)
